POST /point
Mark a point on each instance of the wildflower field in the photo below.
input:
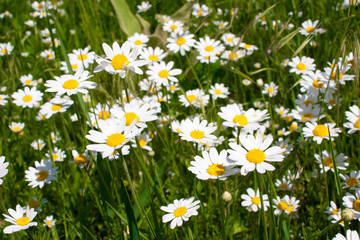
(179, 119)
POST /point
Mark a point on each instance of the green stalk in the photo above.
(222, 215)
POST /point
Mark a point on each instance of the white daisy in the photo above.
(27, 98)
(352, 181)
(57, 155)
(38, 144)
(219, 91)
(173, 26)
(320, 131)
(27, 80)
(180, 42)
(49, 221)
(308, 28)
(301, 65)
(41, 174)
(285, 205)
(329, 162)
(230, 39)
(270, 89)
(80, 158)
(209, 47)
(353, 116)
(196, 131)
(350, 235)
(6, 49)
(162, 73)
(153, 55)
(3, 170)
(82, 57)
(196, 98)
(48, 54)
(138, 40)
(17, 127)
(3, 100)
(74, 65)
(252, 200)
(55, 105)
(20, 218)
(143, 7)
(353, 202)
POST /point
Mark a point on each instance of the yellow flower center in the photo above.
(153, 58)
(115, 139)
(27, 98)
(335, 211)
(180, 211)
(119, 61)
(329, 162)
(142, 142)
(255, 156)
(229, 39)
(256, 200)
(310, 29)
(197, 134)
(27, 82)
(71, 84)
(40, 6)
(56, 107)
(74, 66)
(163, 74)
(3, 51)
(138, 42)
(104, 115)
(82, 57)
(191, 98)
(209, 48)
(247, 46)
(172, 88)
(42, 175)
(23, 221)
(301, 67)
(316, 83)
(217, 92)
(293, 127)
(289, 209)
(307, 116)
(55, 157)
(240, 119)
(357, 124)
(50, 55)
(357, 205)
(352, 182)
(221, 25)
(180, 41)
(233, 56)
(334, 74)
(284, 186)
(80, 159)
(48, 223)
(321, 131)
(173, 27)
(130, 116)
(16, 129)
(307, 102)
(332, 101)
(33, 204)
(282, 205)
(216, 170)
(270, 90)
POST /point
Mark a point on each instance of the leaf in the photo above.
(145, 24)
(128, 22)
(183, 12)
(302, 46)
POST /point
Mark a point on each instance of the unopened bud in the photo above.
(259, 82)
(347, 214)
(151, 153)
(226, 196)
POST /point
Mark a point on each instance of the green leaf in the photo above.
(128, 22)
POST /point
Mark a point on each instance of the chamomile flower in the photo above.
(38, 6)
(302, 65)
(326, 161)
(20, 218)
(320, 131)
(162, 73)
(80, 158)
(246, 82)
(49, 221)
(353, 202)
(233, 56)
(284, 184)
(172, 26)
(197, 131)
(350, 235)
(35, 203)
(152, 55)
(27, 98)
(48, 54)
(132, 111)
(82, 57)
(332, 210)
(230, 39)
(196, 98)
(248, 47)
(143, 7)
(353, 116)
(179, 211)
(57, 155)
(70, 84)
(285, 205)
(270, 89)
(41, 174)
(308, 113)
(120, 59)
(38, 144)
(55, 105)
(254, 153)
(212, 165)
(314, 82)
(352, 181)
(143, 139)
(112, 136)
(180, 42)
(17, 127)
(138, 40)
(6, 49)
(209, 47)
(252, 200)
(309, 28)
(338, 75)
(219, 91)
(74, 64)
(27, 80)
(3, 170)
(3, 100)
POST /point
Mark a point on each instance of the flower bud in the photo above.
(226, 196)
(347, 214)
(259, 82)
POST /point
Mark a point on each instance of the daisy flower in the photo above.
(329, 163)
(27, 80)
(173, 26)
(113, 135)
(35, 203)
(212, 165)
(270, 89)
(17, 127)
(284, 184)
(48, 54)
(144, 139)
(332, 210)
(353, 116)
(27, 98)
(252, 200)
(338, 75)
(320, 131)
(6, 49)
(248, 47)
(70, 84)
(20, 218)
(74, 64)
(162, 73)
(233, 56)
(315, 82)
(309, 28)
(196, 98)
(38, 144)
(285, 205)
(120, 59)
(37, 6)
(208, 47)
(41, 174)
(3, 170)
(3, 100)
(351, 181)
(49, 221)
(200, 11)
(221, 24)
(350, 235)
(138, 40)
(219, 91)
(143, 7)
(302, 65)
(55, 105)
(196, 131)
(57, 155)
(179, 211)
(308, 113)
(353, 202)
(180, 42)
(152, 55)
(230, 39)
(82, 57)
(80, 159)
(254, 153)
